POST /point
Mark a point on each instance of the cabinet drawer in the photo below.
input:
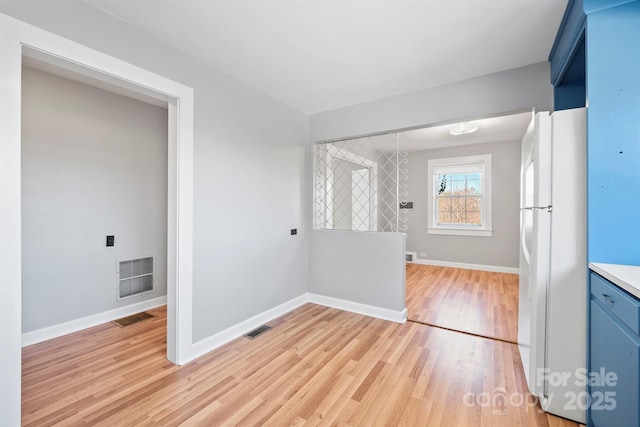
(623, 306)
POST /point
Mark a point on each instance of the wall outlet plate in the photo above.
(294, 231)
(111, 240)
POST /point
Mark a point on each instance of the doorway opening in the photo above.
(464, 185)
(29, 42)
(118, 77)
(459, 207)
(94, 165)
(21, 40)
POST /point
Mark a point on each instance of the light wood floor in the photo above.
(478, 302)
(317, 366)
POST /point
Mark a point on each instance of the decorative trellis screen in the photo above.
(359, 183)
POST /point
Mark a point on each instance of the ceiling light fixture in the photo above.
(463, 128)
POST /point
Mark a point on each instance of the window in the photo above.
(460, 196)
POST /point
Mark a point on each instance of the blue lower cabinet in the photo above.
(614, 356)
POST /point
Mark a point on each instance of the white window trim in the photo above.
(486, 230)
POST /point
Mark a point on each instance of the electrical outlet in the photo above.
(111, 240)
(423, 254)
(294, 231)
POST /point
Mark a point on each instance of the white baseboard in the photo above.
(214, 341)
(492, 268)
(60, 329)
(355, 307)
(206, 345)
(211, 343)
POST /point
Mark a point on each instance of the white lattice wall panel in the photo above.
(359, 183)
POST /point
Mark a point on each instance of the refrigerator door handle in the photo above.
(548, 208)
(525, 249)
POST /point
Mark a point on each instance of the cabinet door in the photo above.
(613, 349)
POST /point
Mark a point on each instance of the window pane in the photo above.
(458, 187)
(473, 217)
(444, 204)
(458, 217)
(474, 203)
(460, 210)
(473, 187)
(444, 217)
(458, 204)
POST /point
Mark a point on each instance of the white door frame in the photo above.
(15, 37)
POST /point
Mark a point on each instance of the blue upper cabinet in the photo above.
(567, 59)
(592, 6)
(595, 62)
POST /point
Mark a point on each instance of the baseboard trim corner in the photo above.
(359, 308)
(55, 331)
(492, 268)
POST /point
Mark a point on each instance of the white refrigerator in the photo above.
(553, 261)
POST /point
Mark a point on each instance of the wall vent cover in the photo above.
(261, 330)
(135, 277)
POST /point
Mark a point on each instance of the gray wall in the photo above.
(249, 170)
(359, 266)
(501, 249)
(507, 91)
(93, 163)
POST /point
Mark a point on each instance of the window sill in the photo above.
(484, 232)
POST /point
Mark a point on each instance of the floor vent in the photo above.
(134, 318)
(261, 330)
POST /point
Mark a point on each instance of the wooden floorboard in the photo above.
(478, 302)
(317, 366)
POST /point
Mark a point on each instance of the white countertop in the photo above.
(626, 277)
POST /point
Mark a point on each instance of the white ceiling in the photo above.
(495, 129)
(506, 128)
(318, 55)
